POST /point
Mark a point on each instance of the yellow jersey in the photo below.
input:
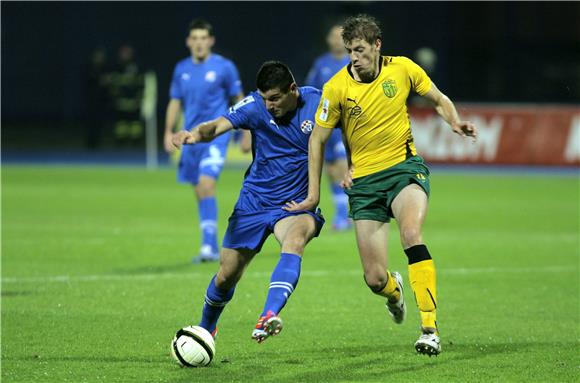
(374, 115)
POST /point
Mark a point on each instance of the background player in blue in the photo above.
(280, 118)
(204, 85)
(323, 69)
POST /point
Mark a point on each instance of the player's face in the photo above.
(364, 57)
(199, 43)
(279, 103)
(334, 41)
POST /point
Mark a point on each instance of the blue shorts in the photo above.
(250, 229)
(205, 159)
(334, 149)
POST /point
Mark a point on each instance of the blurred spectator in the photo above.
(98, 99)
(127, 88)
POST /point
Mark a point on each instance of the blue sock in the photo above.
(340, 202)
(283, 282)
(208, 222)
(215, 302)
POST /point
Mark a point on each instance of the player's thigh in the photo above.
(213, 157)
(295, 229)
(233, 262)
(371, 239)
(410, 206)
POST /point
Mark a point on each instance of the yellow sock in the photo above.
(390, 291)
(423, 282)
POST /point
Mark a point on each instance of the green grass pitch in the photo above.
(96, 279)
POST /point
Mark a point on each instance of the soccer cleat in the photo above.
(214, 333)
(206, 254)
(268, 325)
(428, 344)
(398, 310)
(342, 224)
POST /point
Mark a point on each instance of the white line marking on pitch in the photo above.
(261, 274)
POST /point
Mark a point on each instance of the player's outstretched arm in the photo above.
(207, 131)
(316, 143)
(445, 108)
(204, 132)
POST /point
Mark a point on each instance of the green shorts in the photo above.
(371, 196)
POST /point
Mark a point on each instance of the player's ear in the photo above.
(378, 44)
(293, 87)
(211, 41)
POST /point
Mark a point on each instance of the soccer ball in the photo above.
(193, 346)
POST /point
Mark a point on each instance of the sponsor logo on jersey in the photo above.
(354, 111)
(306, 126)
(390, 88)
(185, 76)
(241, 103)
(324, 110)
(421, 177)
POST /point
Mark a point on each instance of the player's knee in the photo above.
(205, 189)
(294, 244)
(410, 236)
(376, 281)
(226, 278)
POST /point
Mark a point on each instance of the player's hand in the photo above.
(346, 182)
(308, 204)
(168, 142)
(183, 137)
(465, 129)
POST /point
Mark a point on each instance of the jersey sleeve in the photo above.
(420, 81)
(311, 77)
(175, 87)
(328, 112)
(233, 84)
(240, 115)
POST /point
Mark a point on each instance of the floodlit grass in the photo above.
(96, 279)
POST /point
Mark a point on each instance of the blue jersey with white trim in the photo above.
(204, 88)
(279, 170)
(324, 68)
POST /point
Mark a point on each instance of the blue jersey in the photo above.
(324, 68)
(279, 170)
(205, 88)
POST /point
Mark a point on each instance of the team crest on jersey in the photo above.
(210, 76)
(306, 126)
(390, 88)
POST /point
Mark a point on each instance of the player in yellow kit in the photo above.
(387, 178)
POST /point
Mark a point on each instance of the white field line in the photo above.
(261, 274)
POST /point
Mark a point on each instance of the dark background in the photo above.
(487, 52)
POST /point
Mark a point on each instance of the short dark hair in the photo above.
(272, 75)
(200, 24)
(362, 27)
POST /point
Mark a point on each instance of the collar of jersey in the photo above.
(349, 71)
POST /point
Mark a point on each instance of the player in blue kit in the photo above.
(204, 85)
(323, 69)
(279, 116)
